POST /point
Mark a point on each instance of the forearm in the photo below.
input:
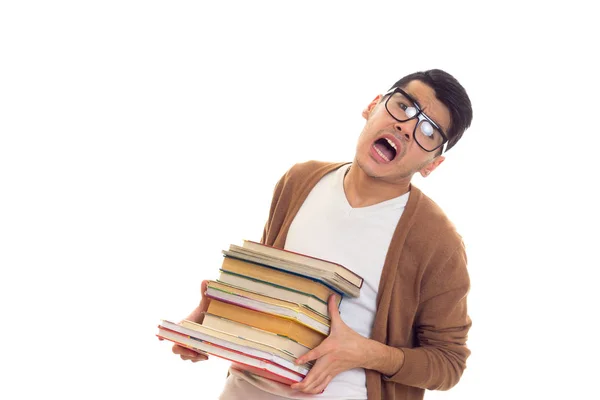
(197, 315)
(382, 358)
(431, 368)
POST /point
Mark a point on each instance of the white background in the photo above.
(140, 138)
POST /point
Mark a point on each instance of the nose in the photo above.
(403, 129)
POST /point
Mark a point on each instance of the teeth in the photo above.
(381, 154)
(391, 144)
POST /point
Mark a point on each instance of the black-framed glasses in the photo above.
(428, 135)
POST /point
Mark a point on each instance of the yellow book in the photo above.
(271, 323)
(267, 304)
(281, 342)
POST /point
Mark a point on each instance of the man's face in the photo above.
(408, 157)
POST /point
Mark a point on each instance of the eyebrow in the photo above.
(414, 100)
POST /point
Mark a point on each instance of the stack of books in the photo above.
(268, 307)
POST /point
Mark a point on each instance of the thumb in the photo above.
(310, 356)
(334, 313)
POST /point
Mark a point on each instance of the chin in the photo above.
(387, 172)
(370, 167)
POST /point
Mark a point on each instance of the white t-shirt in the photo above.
(327, 227)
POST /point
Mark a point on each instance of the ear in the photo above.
(367, 111)
(429, 168)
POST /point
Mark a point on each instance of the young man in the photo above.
(408, 329)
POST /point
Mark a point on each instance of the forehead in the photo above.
(430, 105)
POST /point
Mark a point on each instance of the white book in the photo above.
(332, 278)
(283, 343)
(268, 289)
(246, 346)
(208, 348)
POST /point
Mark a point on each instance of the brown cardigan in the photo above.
(422, 297)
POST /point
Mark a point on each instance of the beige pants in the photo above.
(237, 388)
(244, 386)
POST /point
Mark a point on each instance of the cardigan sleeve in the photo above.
(441, 328)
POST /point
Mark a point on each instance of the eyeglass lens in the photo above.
(403, 109)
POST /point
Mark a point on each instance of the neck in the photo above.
(363, 191)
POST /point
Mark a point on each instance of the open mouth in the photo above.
(385, 148)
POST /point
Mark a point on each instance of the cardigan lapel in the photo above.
(386, 285)
(391, 265)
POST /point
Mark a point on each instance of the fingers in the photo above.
(203, 288)
(188, 354)
(315, 382)
(205, 301)
(183, 351)
(199, 357)
(318, 385)
(321, 387)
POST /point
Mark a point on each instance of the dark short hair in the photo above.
(451, 94)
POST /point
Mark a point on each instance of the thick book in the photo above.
(290, 287)
(241, 361)
(266, 304)
(281, 326)
(245, 346)
(334, 275)
(268, 342)
(283, 343)
(267, 289)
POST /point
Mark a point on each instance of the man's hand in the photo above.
(196, 316)
(343, 350)
(188, 354)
